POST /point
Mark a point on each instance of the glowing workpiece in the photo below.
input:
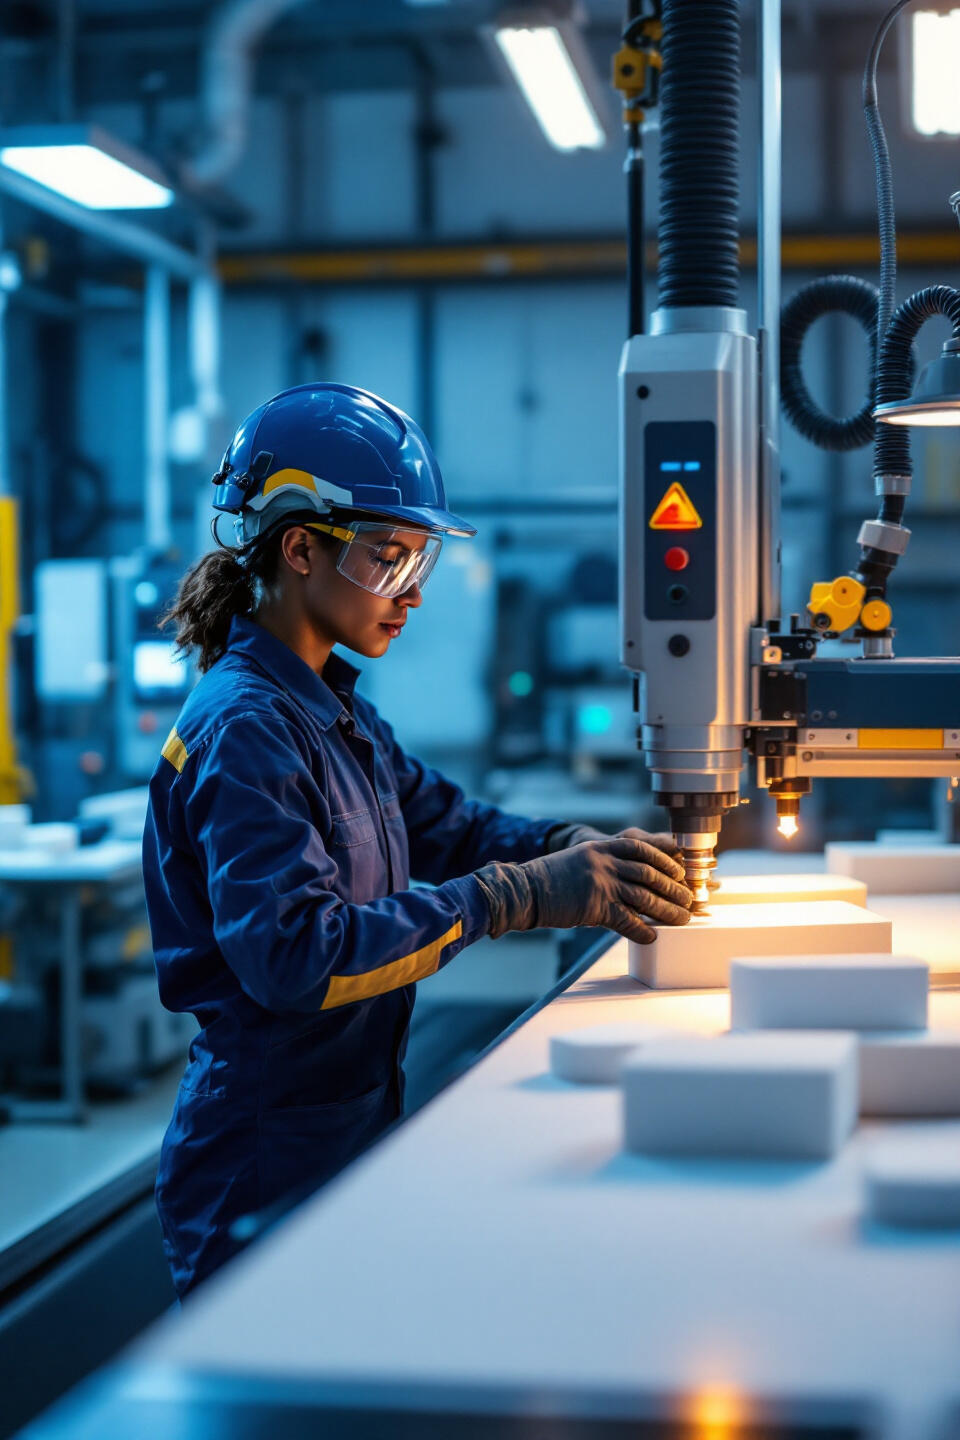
(914, 1182)
(771, 1096)
(779, 889)
(595, 1054)
(910, 1073)
(697, 956)
(828, 992)
(898, 869)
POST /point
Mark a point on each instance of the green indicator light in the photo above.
(520, 683)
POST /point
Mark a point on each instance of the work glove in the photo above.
(610, 882)
(561, 837)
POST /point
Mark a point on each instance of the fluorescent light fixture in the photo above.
(934, 72)
(936, 396)
(86, 165)
(553, 71)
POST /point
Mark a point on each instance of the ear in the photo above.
(295, 548)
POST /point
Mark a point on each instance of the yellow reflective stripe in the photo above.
(302, 478)
(900, 740)
(174, 750)
(347, 989)
(341, 534)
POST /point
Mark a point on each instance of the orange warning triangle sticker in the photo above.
(676, 511)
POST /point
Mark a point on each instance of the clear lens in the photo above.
(383, 562)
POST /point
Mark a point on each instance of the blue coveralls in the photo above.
(284, 825)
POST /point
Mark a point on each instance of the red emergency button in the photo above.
(676, 558)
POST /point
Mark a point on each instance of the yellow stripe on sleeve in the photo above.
(175, 751)
(347, 989)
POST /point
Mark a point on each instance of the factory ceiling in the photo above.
(131, 50)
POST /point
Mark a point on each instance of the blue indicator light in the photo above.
(691, 464)
(670, 465)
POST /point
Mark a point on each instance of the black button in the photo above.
(677, 594)
(678, 645)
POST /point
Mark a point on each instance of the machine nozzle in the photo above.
(787, 793)
(700, 861)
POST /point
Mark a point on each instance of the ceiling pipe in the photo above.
(235, 31)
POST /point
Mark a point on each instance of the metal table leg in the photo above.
(71, 1106)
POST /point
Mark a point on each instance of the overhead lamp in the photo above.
(87, 165)
(544, 52)
(934, 67)
(936, 396)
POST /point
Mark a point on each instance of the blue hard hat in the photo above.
(327, 447)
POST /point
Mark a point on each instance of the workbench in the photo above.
(499, 1256)
(68, 875)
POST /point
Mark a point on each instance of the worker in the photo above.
(285, 823)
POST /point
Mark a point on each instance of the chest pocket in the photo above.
(356, 828)
(357, 846)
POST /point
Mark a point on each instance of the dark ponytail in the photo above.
(218, 587)
(212, 591)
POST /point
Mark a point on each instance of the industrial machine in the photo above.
(103, 667)
(717, 670)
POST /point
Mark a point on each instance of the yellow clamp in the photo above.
(636, 72)
(841, 601)
(876, 615)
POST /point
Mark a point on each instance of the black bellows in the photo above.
(699, 153)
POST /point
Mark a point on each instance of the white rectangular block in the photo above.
(595, 1054)
(914, 1182)
(828, 992)
(778, 889)
(910, 1073)
(898, 869)
(779, 1096)
(697, 956)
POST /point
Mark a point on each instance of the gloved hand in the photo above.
(609, 882)
(561, 837)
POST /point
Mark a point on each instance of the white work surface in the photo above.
(109, 860)
(501, 1238)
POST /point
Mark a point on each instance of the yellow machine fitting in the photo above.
(636, 72)
(876, 615)
(836, 604)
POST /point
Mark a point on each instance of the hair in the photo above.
(219, 586)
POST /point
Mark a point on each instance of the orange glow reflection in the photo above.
(717, 1415)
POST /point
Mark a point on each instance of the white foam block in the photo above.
(779, 1096)
(779, 889)
(914, 1181)
(697, 956)
(910, 1073)
(828, 992)
(595, 1054)
(898, 869)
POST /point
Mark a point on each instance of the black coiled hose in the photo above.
(699, 153)
(891, 445)
(824, 297)
(891, 450)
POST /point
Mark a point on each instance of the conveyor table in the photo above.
(499, 1255)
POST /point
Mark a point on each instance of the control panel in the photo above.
(680, 495)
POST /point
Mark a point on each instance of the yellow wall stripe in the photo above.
(175, 751)
(347, 989)
(900, 740)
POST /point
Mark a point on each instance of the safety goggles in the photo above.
(375, 558)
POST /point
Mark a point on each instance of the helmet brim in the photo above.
(422, 517)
